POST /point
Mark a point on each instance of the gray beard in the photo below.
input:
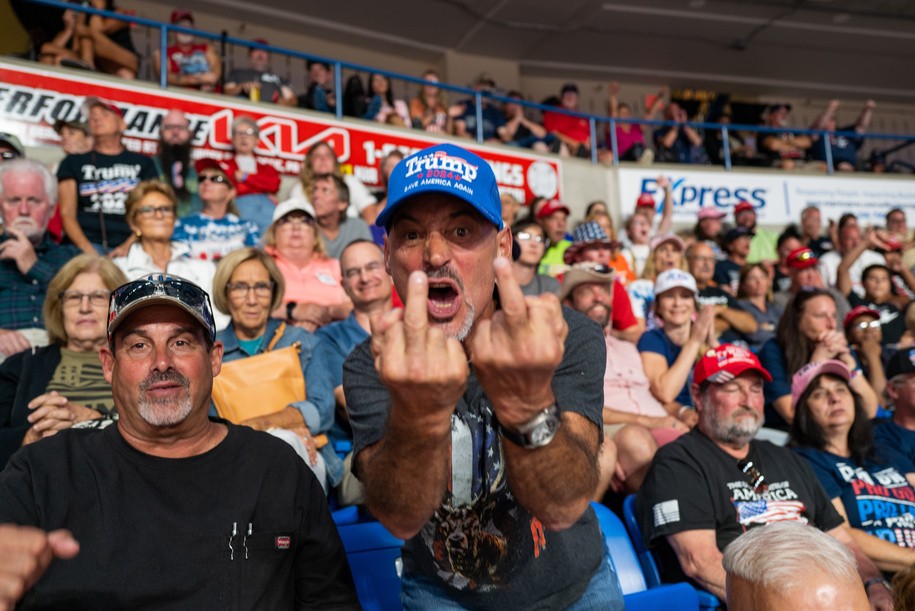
(464, 331)
(160, 413)
(736, 434)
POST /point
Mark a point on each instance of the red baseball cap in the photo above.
(180, 14)
(645, 200)
(801, 258)
(857, 311)
(221, 166)
(892, 244)
(743, 205)
(724, 363)
(551, 207)
(92, 101)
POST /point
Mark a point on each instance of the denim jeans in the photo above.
(603, 592)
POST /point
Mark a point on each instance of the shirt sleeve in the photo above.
(651, 342)
(772, 359)
(623, 317)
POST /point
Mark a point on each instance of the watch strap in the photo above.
(537, 432)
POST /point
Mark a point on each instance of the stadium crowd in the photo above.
(723, 342)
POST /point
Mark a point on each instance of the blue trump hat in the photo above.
(445, 169)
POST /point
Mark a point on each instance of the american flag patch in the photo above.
(764, 512)
(666, 512)
(282, 542)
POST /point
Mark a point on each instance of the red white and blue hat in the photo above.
(584, 235)
(449, 170)
(161, 289)
(722, 364)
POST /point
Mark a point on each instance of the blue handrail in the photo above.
(477, 96)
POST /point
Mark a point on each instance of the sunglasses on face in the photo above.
(217, 178)
(864, 325)
(524, 236)
(154, 286)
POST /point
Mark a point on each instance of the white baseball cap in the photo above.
(291, 205)
(672, 278)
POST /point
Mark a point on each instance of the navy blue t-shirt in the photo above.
(656, 341)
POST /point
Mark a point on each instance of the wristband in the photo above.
(855, 373)
(875, 580)
(290, 308)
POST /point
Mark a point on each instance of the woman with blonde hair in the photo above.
(667, 251)
(429, 109)
(48, 389)
(321, 160)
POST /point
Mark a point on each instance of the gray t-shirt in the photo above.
(541, 284)
(271, 84)
(350, 231)
(484, 548)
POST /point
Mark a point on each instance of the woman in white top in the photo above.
(150, 211)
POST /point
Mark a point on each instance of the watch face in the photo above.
(544, 432)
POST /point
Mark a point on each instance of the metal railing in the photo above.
(478, 97)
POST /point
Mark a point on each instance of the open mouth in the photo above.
(444, 299)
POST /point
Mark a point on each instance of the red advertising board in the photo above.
(32, 98)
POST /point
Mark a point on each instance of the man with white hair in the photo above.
(788, 565)
(711, 485)
(28, 257)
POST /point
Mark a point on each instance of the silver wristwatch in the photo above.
(537, 432)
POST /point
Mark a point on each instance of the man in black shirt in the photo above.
(731, 321)
(711, 485)
(169, 508)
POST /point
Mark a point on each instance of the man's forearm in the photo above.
(556, 482)
(405, 476)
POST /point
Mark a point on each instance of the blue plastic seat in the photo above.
(374, 558)
(636, 595)
(707, 600)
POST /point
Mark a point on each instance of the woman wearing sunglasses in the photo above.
(44, 390)
(865, 338)
(150, 211)
(529, 245)
(216, 230)
(870, 485)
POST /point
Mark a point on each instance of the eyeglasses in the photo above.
(245, 132)
(166, 211)
(176, 127)
(217, 178)
(598, 268)
(756, 479)
(7, 155)
(867, 324)
(524, 236)
(371, 268)
(73, 299)
(298, 219)
(161, 285)
(240, 289)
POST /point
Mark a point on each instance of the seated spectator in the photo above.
(75, 138)
(173, 161)
(591, 245)
(878, 296)
(736, 245)
(812, 232)
(521, 131)
(783, 149)
(732, 323)
(382, 106)
(844, 149)
(898, 430)
(92, 205)
(369, 287)
(320, 93)
(29, 258)
(465, 114)
(531, 244)
(321, 159)
(258, 82)
(636, 422)
(71, 47)
(429, 109)
(573, 131)
(741, 144)
(666, 254)
(614, 256)
(669, 353)
(789, 565)
(859, 253)
(371, 212)
(754, 295)
(832, 431)
(678, 143)
(112, 48)
(10, 148)
(896, 225)
(151, 212)
(510, 207)
(216, 230)
(45, 390)
(192, 65)
(710, 486)
(807, 333)
(248, 286)
(314, 295)
(788, 242)
(638, 232)
(330, 199)
(708, 230)
(762, 241)
(803, 270)
(864, 336)
(553, 217)
(630, 138)
(256, 183)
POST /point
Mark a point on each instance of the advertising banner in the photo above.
(32, 98)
